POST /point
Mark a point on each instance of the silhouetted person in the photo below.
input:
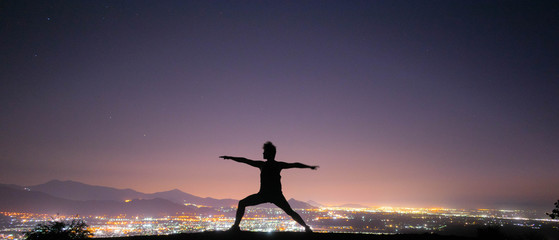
(270, 185)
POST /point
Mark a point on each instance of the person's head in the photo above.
(269, 151)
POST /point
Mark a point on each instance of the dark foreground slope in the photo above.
(288, 236)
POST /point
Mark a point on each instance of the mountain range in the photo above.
(83, 192)
(75, 198)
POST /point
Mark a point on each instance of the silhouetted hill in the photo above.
(156, 207)
(72, 190)
(19, 200)
(37, 202)
(12, 186)
(300, 204)
(79, 191)
(181, 197)
(175, 195)
(289, 236)
(313, 203)
(352, 205)
(70, 198)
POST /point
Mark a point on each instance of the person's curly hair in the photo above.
(270, 148)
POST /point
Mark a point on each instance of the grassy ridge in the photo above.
(288, 236)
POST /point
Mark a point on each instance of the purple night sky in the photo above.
(415, 103)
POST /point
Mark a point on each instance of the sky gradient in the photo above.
(418, 103)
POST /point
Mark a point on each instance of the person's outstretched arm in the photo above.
(243, 160)
(298, 165)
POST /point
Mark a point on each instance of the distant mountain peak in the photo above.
(316, 204)
(353, 205)
(53, 181)
(63, 181)
(67, 182)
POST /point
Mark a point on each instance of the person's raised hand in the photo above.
(314, 167)
(225, 157)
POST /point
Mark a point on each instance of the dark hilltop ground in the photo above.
(294, 236)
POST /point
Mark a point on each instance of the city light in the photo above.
(381, 220)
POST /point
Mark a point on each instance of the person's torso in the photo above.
(270, 178)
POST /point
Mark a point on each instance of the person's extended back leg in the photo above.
(251, 200)
(284, 205)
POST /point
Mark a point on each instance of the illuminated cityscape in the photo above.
(381, 220)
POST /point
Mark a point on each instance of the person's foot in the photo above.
(308, 229)
(234, 228)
